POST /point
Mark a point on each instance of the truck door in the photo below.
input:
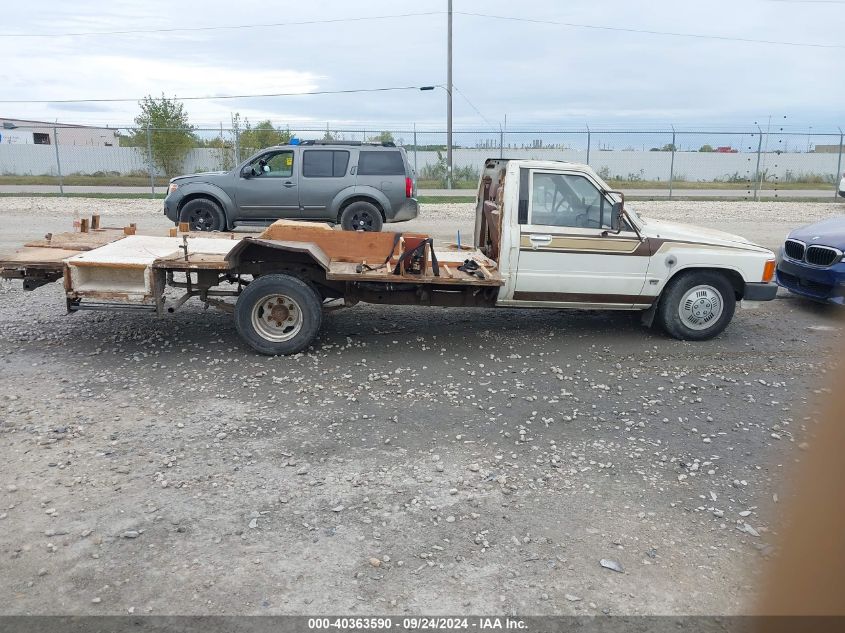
(323, 176)
(567, 253)
(272, 193)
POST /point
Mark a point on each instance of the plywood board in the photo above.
(146, 249)
(36, 257)
(79, 241)
(342, 246)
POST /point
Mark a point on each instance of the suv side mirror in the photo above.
(247, 172)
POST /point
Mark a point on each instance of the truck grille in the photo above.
(821, 255)
(794, 249)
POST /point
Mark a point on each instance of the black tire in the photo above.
(689, 307)
(203, 214)
(361, 216)
(278, 314)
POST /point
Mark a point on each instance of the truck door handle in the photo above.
(540, 240)
(289, 185)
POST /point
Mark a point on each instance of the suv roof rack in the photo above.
(355, 143)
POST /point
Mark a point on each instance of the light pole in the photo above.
(449, 100)
(448, 90)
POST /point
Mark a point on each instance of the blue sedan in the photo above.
(811, 261)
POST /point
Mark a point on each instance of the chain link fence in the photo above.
(49, 157)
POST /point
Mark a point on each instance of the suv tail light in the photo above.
(409, 187)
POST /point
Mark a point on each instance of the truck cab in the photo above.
(563, 238)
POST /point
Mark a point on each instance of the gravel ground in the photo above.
(417, 461)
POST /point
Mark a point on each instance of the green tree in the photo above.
(382, 137)
(706, 148)
(669, 147)
(263, 134)
(171, 137)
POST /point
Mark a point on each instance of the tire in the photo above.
(696, 306)
(203, 214)
(291, 325)
(361, 216)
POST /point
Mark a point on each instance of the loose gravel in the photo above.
(415, 461)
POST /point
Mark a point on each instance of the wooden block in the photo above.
(95, 222)
(173, 232)
(129, 230)
(447, 271)
(83, 225)
(184, 227)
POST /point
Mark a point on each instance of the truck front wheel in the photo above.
(696, 306)
(278, 314)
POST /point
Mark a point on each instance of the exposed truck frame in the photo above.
(537, 244)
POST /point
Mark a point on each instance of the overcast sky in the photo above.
(539, 75)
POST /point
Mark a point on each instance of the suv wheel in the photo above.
(697, 306)
(203, 214)
(361, 216)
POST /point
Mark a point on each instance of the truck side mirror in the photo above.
(247, 172)
(616, 216)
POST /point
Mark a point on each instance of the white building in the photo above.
(23, 132)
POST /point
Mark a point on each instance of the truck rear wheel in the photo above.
(696, 306)
(278, 314)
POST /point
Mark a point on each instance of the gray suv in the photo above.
(356, 185)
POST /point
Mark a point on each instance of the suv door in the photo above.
(266, 187)
(567, 253)
(323, 176)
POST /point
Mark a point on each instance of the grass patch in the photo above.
(99, 196)
(444, 199)
(689, 184)
(80, 180)
(439, 184)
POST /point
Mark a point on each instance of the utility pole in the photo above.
(449, 101)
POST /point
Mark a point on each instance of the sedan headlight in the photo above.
(173, 187)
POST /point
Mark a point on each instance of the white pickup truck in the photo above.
(547, 235)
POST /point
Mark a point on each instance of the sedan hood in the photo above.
(830, 232)
(689, 233)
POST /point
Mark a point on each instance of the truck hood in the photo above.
(690, 233)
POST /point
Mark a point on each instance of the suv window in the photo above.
(566, 200)
(380, 164)
(321, 163)
(280, 164)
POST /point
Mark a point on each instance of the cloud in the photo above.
(536, 74)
